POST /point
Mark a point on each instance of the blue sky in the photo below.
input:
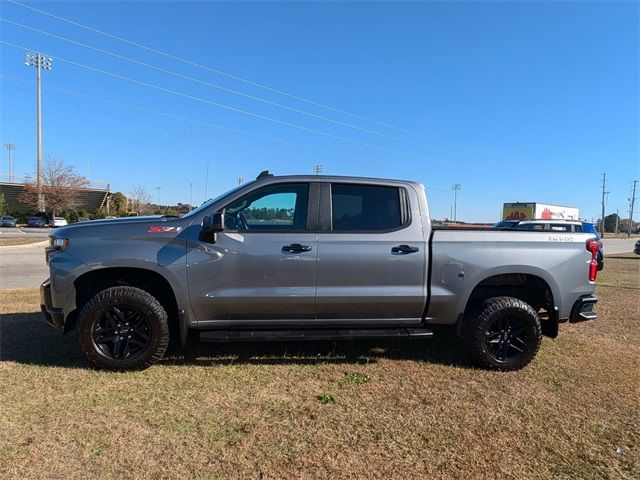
(522, 101)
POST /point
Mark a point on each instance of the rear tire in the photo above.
(503, 333)
(123, 328)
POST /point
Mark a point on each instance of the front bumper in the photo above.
(583, 309)
(53, 316)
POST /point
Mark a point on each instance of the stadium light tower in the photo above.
(456, 187)
(39, 62)
(317, 169)
(10, 148)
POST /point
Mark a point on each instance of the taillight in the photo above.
(592, 246)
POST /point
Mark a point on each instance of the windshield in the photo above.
(209, 202)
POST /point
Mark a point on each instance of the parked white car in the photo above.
(58, 222)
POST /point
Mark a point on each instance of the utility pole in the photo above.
(38, 61)
(631, 204)
(158, 189)
(317, 169)
(10, 148)
(190, 196)
(617, 221)
(456, 187)
(604, 192)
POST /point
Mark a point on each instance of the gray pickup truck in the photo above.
(307, 258)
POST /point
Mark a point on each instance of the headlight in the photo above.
(55, 245)
(58, 244)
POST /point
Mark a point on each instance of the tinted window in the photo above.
(531, 226)
(505, 224)
(365, 207)
(275, 207)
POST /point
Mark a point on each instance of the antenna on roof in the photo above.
(264, 174)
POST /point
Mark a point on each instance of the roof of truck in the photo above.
(335, 178)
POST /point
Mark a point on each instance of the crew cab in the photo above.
(313, 257)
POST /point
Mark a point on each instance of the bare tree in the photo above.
(140, 200)
(60, 185)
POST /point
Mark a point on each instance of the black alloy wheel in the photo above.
(122, 332)
(123, 328)
(506, 338)
(502, 333)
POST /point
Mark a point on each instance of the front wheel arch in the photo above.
(90, 283)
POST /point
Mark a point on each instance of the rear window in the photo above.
(531, 226)
(365, 208)
(554, 227)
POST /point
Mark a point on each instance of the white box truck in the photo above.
(538, 211)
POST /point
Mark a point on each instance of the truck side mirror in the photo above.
(211, 224)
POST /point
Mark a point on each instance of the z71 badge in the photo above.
(158, 229)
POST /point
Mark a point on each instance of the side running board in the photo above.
(213, 336)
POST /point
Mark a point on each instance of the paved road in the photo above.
(22, 267)
(25, 267)
(614, 246)
(23, 232)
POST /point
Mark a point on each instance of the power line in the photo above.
(177, 117)
(228, 107)
(234, 77)
(233, 130)
(155, 112)
(228, 90)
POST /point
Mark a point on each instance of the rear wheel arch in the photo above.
(531, 289)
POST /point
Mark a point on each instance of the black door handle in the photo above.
(404, 249)
(296, 248)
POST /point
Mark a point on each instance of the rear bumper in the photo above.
(53, 316)
(583, 309)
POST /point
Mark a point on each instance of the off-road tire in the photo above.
(156, 324)
(479, 333)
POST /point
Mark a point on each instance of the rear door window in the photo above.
(366, 208)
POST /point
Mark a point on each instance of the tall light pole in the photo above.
(158, 189)
(10, 148)
(240, 180)
(38, 61)
(456, 187)
(317, 169)
(190, 196)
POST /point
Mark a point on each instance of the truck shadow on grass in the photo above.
(26, 339)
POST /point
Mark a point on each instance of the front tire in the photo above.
(503, 333)
(123, 328)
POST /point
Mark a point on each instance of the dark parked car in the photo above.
(636, 249)
(7, 221)
(36, 222)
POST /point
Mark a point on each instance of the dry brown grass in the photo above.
(5, 242)
(251, 411)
